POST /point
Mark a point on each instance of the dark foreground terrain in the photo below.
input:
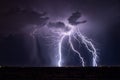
(63, 73)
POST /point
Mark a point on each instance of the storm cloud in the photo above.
(59, 25)
(74, 18)
(101, 27)
(15, 19)
(56, 25)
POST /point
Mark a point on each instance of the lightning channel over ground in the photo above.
(88, 44)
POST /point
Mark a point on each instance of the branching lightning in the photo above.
(71, 30)
(88, 44)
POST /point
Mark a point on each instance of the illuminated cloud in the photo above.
(59, 25)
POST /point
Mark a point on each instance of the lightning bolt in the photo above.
(71, 44)
(73, 33)
(60, 51)
(88, 44)
(90, 47)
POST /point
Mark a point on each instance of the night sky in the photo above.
(20, 18)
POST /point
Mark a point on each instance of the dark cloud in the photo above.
(59, 25)
(56, 25)
(17, 18)
(73, 19)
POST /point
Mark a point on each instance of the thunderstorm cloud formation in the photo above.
(59, 25)
(15, 19)
(28, 38)
(73, 19)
